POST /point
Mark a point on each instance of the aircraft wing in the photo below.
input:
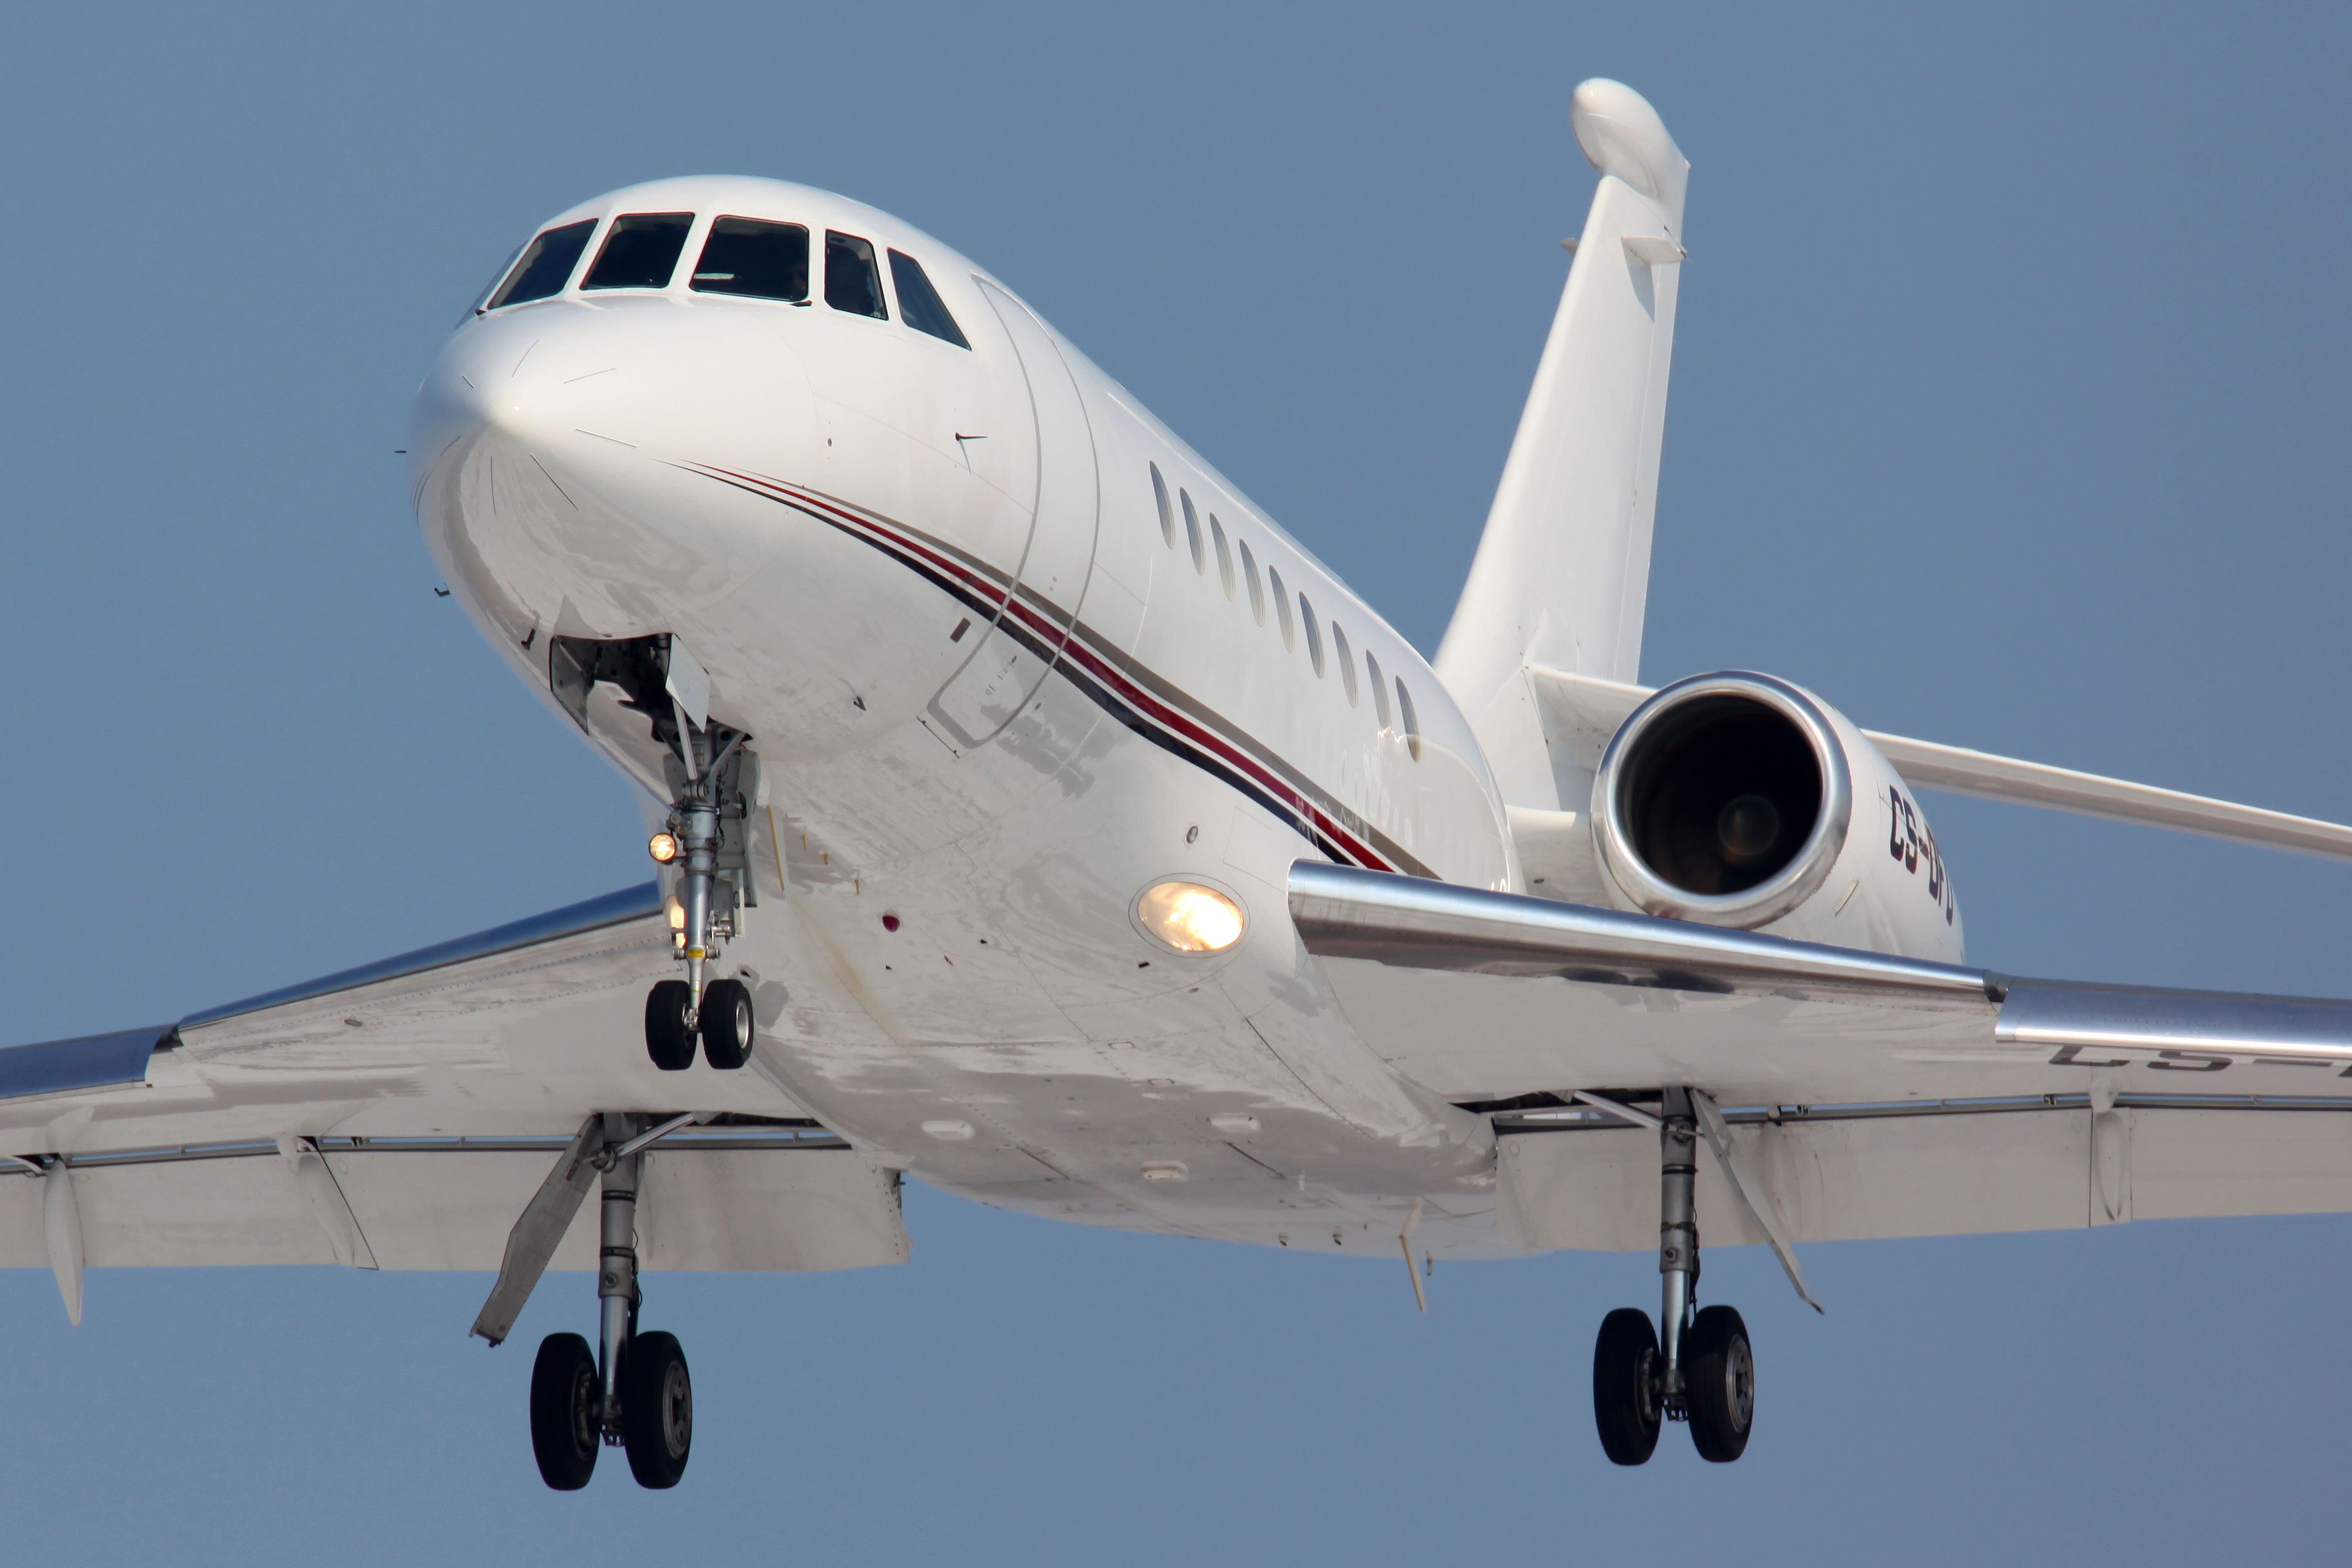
(453, 1078)
(1865, 1095)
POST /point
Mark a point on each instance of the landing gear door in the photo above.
(1021, 642)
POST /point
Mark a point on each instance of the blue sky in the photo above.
(2009, 409)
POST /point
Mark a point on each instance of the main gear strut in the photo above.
(1696, 1366)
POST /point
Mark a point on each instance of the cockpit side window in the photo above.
(919, 305)
(760, 260)
(851, 280)
(546, 265)
(482, 295)
(640, 252)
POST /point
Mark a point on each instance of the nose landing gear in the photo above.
(712, 777)
(635, 1391)
(1701, 1370)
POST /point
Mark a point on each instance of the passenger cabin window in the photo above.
(1192, 531)
(546, 265)
(1224, 555)
(919, 305)
(1281, 607)
(1380, 692)
(1412, 722)
(1257, 594)
(1314, 637)
(851, 283)
(640, 251)
(1167, 512)
(757, 260)
(1346, 662)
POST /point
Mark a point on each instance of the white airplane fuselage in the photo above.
(1008, 653)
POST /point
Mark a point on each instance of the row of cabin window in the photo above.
(1403, 721)
(743, 256)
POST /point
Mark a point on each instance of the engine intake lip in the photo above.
(1613, 811)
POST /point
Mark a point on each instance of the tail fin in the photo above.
(1563, 569)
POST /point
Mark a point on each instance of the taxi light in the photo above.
(1189, 917)
(663, 846)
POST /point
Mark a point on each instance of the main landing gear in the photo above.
(633, 1391)
(1701, 1370)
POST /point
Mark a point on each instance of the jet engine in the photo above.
(1739, 800)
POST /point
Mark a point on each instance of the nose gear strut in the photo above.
(694, 825)
(711, 777)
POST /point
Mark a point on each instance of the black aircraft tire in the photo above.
(1624, 1386)
(656, 1409)
(1719, 1382)
(727, 1024)
(565, 1425)
(667, 1039)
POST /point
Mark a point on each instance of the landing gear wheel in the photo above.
(656, 1409)
(1720, 1380)
(1625, 1386)
(566, 1400)
(727, 1025)
(667, 1039)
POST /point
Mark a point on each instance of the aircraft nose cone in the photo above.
(547, 446)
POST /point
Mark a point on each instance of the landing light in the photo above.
(663, 846)
(1189, 917)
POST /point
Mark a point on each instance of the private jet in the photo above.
(1029, 814)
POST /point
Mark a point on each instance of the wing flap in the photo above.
(720, 1205)
(2042, 1168)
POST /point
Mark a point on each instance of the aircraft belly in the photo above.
(972, 1004)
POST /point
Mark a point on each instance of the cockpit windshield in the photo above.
(749, 257)
(641, 251)
(760, 260)
(546, 265)
(851, 283)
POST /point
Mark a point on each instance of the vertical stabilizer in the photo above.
(1563, 568)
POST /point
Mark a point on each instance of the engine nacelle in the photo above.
(1739, 800)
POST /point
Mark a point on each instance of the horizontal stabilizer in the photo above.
(1583, 712)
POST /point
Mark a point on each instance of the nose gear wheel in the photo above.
(669, 1038)
(727, 1024)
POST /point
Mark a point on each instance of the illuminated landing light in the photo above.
(677, 913)
(1171, 1170)
(1189, 917)
(663, 847)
